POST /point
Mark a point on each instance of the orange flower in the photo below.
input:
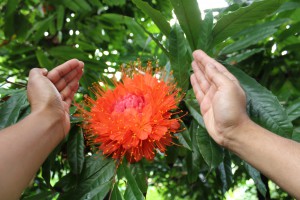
(135, 118)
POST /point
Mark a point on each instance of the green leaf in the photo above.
(140, 176)
(288, 6)
(179, 57)
(9, 17)
(48, 167)
(155, 15)
(253, 35)
(114, 2)
(75, 150)
(263, 107)
(184, 137)
(44, 61)
(212, 153)
(83, 5)
(67, 52)
(194, 160)
(5, 92)
(72, 5)
(205, 35)
(96, 174)
(116, 195)
(42, 195)
(99, 191)
(194, 108)
(38, 29)
(156, 41)
(60, 17)
(296, 134)
(293, 110)
(248, 40)
(244, 55)
(189, 17)
(236, 21)
(52, 27)
(11, 109)
(255, 175)
(133, 191)
(226, 172)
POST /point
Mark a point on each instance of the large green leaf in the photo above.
(243, 55)
(189, 17)
(98, 192)
(75, 150)
(9, 19)
(140, 176)
(11, 109)
(253, 35)
(155, 15)
(194, 159)
(133, 191)
(205, 35)
(255, 175)
(236, 21)
(212, 153)
(44, 61)
(263, 107)
(42, 195)
(83, 5)
(194, 108)
(38, 29)
(179, 58)
(67, 52)
(96, 175)
(60, 17)
(48, 166)
(184, 137)
(293, 110)
(225, 170)
(116, 194)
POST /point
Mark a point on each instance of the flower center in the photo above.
(130, 101)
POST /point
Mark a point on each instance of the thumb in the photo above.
(38, 72)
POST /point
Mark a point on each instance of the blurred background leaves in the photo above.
(257, 40)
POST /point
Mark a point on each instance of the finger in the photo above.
(216, 77)
(201, 57)
(63, 82)
(69, 90)
(204, 84)
(197, 89)
(62, 70)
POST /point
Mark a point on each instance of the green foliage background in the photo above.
(258, 41)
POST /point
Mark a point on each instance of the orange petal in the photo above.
(144, 132)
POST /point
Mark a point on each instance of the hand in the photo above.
(52, 92)
(222, 101)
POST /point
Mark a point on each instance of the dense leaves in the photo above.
(259, 41)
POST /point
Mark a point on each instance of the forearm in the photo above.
(23, 148)
(281, 164)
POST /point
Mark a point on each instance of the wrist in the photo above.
(235, 138)
(51, 120)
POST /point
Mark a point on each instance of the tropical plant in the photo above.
(257, 41)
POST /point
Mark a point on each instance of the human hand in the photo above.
(51, 93)
(222, 100)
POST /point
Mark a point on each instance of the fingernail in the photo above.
(45, 71)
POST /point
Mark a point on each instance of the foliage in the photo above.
(258, 39)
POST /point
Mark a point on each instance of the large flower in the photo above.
(135, 118)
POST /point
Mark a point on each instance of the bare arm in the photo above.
(25, 145)
(223, 106)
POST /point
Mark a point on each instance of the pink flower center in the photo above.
(130, 101)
